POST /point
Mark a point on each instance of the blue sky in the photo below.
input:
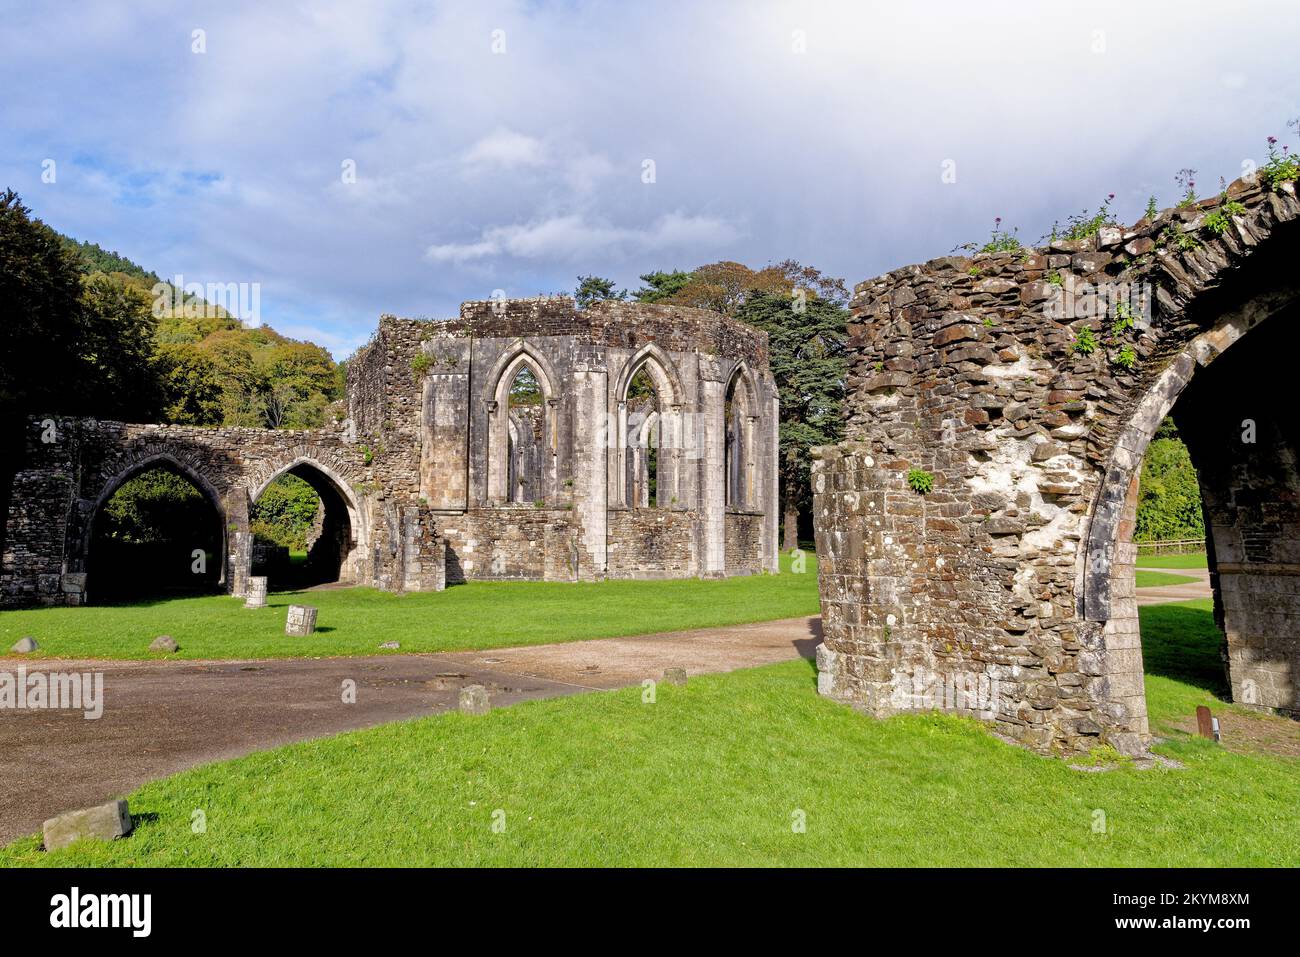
(503, 145)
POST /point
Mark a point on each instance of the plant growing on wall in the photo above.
(920, 481)
(1217, 221)
(1172, 236)
(1126, 358)
(1123, 319)
(420, 363)
(1000, 241)
(1082, 226)
(1085, 342)
(1282, 167)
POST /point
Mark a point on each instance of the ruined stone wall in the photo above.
(385, 403)
(32, 569)
(415, 481)
(1007, 578)
(654, 543)
(73, 466)
(744, 532)
(512, 542)
(583, 360)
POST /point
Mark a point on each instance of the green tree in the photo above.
(91, 257)
(191, 385)
(85, 331)
(660, 286)
(285, 513)
(117, 349)
(724, 286)
(40, 316)
(806, 342)
(151, 506)
(1169, 493)
(595, 289)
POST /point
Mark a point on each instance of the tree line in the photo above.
(86, 333)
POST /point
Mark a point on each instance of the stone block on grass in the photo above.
(474, 700)
(301, 620)
(24, 645)
(256, 595)
(165, 643)
(107, 822)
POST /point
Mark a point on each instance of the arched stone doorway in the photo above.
(1229, 393)
(334, 545)
(157, 529)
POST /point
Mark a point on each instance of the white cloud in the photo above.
(526, 166)
(585, 172)
(506, 149)
(573, 236)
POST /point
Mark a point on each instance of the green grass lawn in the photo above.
(1191, 560)
(1180, 641)
(715, 773)
(354, 621)
(1153, 579)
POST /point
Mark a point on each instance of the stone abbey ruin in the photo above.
(1023, 388)
(525, 439)
(974, 529)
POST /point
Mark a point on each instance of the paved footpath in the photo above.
(1164, 594)
(161, 717)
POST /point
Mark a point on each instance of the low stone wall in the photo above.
(653, 543)
(512, 542)
(744, 543)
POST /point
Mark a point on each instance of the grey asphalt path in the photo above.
(161, 717)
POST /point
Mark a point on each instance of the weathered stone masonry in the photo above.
(1014, 576)
(417, 480)
(581, 516)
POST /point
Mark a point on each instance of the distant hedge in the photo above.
(284, 513)
(1169, 498)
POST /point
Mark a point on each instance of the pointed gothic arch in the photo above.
(82, 552)
(649, 447)
(337, 553)
(509, 456)
(741, 437)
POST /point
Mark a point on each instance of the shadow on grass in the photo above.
(1182, 642)
(807, 647)
(150, 599)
